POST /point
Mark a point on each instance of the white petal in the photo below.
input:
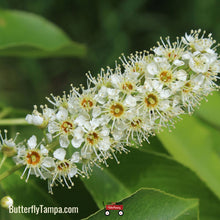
(78, 132)
(73, 171)
(115, 79)
(186, 56)
(184, 40)
(165, 93)
(62, 114)
(75, 157)
(152, 69)
(181, 75)
(147, 85)
(120, 125)
(164, 105)
(113, 93)
(85, 154)
(102, 92)
(117, 134)
(64, 141)
(37, 120)
(48, 113)
(10, 143)
(76, 142)
(28, 118)
(159, 51)
(59, 154)
(160, 60)
(105, 131)
(81, 120)
(87, 125)
(105, 144)
(157, 85)
(48, 162)
(32, 142)
(131, 75)
(199, 79)
(130, 101)
(43, 149)
(52, 127)
(96, 112)
(178, 62)
(189, 37)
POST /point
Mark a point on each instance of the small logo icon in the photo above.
(118, 206)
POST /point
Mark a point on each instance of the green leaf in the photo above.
(154, 204)
(192, 144)
(27, 34)
(209, 111)
(143, 169)
(111, 190)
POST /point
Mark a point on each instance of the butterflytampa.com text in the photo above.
(41, 209)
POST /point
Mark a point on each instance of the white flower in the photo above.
(62, 126)
(199, 63)
(32, 157)
(34, 119)
(38, 119)
(199, 44)
(8, 146)
(65, 170)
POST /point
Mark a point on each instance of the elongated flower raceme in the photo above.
(121, 107)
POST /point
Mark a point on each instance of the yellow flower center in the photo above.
(33, 157)
(151, 100)
(66, 126)
(136, 123)
(117, 110)
(63, 166)
(187, 87)
(87, 103)
(92, 138)
(165, 76)
(127, 86)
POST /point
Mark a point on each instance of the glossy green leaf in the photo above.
(141, 169)
(192, 144)
(27, 34)
(208, 112)
(153, 204)
(103, 186)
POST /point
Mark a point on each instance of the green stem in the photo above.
(3, 160)
(5, 112)
(53, 144)
(9, 172)
(13, 121)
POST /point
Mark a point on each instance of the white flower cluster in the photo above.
(123, 107)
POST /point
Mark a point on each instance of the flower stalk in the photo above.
(13, 121)
(11, 171)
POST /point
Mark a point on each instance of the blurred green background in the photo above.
(107, 29)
